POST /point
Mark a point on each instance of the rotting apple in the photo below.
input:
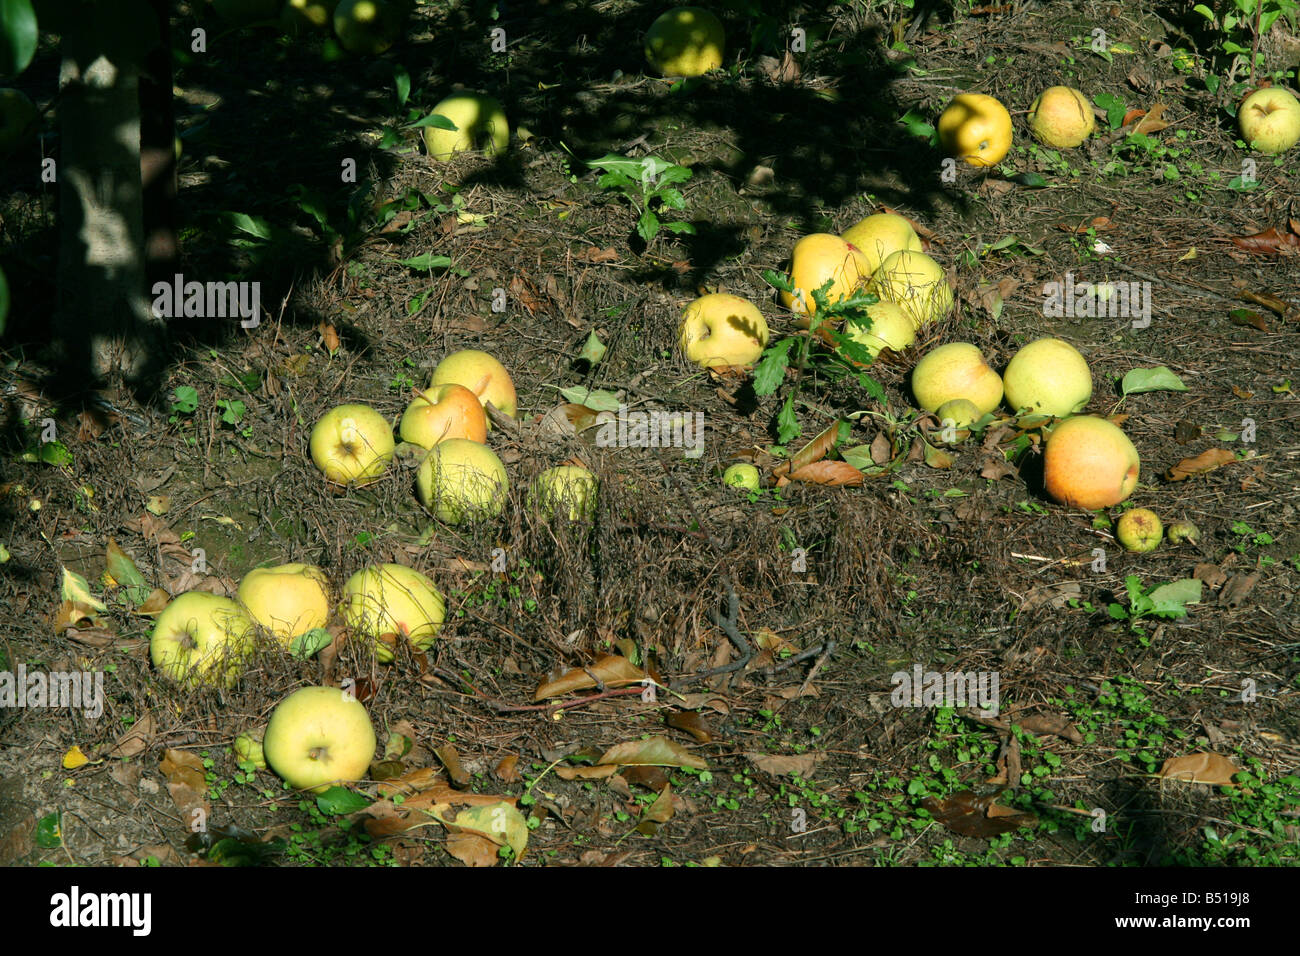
(820, 257)
(460, 480)
(565, 489)
(441, 412)
(481, 374)
(685, 41)
(480, 125)
(720, 329)
(386, 602)
(1089, 463)
(287, 600)
(1048, 377)
(1181, 531)
(352, 444)
(201, 638)
(1139, 530)
(1269, 120)
(878, 237)
(319, 736)
(956, 370)
(917, 283)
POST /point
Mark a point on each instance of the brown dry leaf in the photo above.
(689, 722)
(100, 637)
(838, 474)
(967, 814)
(1185, 431)
(776, 765)
(1241, 392)
(1248, 318)
(652, 778)
(586, 773)
(882, 449)
(580, 416)
(593, 254)
(526, 294)
(996, 467)
(507, 770)
(1211, 575)
(1238, 587)
(661, 811)
(1098, 224)
(1270, 302)
(450, 758)
(329, 337)
(612, 670)
(1152, 122)
(136, 740)
(1213, 769)
(1206, 461)
(814, 451)
(1270, 242)
(936, 457)
(187, 784)
(154, 603)
(656, 751)
(1052, 595)
(472, 849)
(1057, 725)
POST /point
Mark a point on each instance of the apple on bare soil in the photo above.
(386, 602)
(481, 374)
(318, 737)
(201, 638)
(1089, 463)
(352, 444)
(721, 330)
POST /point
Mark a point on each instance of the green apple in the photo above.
(1139, 530)
(917, 283)
(18, 115)
(958, 414)
(956, 370)
(367, 27)
(386, 601)
(741, 475)
(318, 737)
(567, 489)
(352, 444)
(248, 748)
(201, 638)
(461, 480)
(1048, 377)
(243, 12)
(1270, 120)
(685, 41)
(480, 125)
(287, 600)
(1181, 531)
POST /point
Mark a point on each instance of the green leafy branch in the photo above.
(646, 183)
(1166, 600)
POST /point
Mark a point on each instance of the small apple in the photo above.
(1181, 531)
(817, 258)
(685, 41)
(385, 601)
(352, 444)
(18, 115)
(1089, 463)
(443, 411)
(481, 374)
(891, 327)
(956, 370)
(958, 414)
(720, 329)
(287, 600)
(878, 237)
(1270, 120)
(1061, 117)
(201, 638)
(319, 736)
(917, 283)
(741, 475)
(480, 125)
(1048, 377)
(248, 748)
(301, 16)
(976, 129)
(367, 27)
(1139, 530)
(566, 489)
(460, 480)
(243, 12)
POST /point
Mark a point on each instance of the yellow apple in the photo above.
(1061, 117)
(817, 258)
(1089, 463)
(958, 414)
(976, 129)
(1139, 530)
(917, 283)
(565, 489)
(460, 480)
(300, 16)
(318, 737)
(18, 115)
(481, 374)
(685, 41)
(368, 27)
(352, 444)
(443, 411)
(880, 236)
(956, 370)
(1270, 120)
(480, 125)
(741, 475)
(201, 638)
(1048, 377)
(287, 600)
(720, 329)
(891, 327)
(386, 601)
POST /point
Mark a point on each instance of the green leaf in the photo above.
(647, 225)
(55, 453)
(1204, 11)
(1114, 107)
(310, 643)
(1117, 612)
(680, 228)
(671, 198)
(770, 371)
(778, 280)
(1030, 181)
(18, 36)
(427, 262)
(787, 425)
(48, 832)
(593, 350)
(76, 589)
(185, 399)
(597, 400)
(253, 225)
(613, 163)
(1169, 600)
(873, 388)
(402, 84)
(674, 174)
(1158, 379)
(437, 121)
(339, 800)
(915, 123)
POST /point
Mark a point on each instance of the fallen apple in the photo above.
(287, 600)
(480, 125)
(685, 41)
(301, 16)
(1061, 117)
(318, 737)
(956, 370)
(1048, 377)
(891, 327)
(878, 237)
(957, 414)
(820, 257)
(386, 602)
(352, 444)
(441, 412)
(1139, 530)
(1089, 463)
(248, 748)
(201, 638)
(481, 374)
(565, 489)
(917, 283)
(976, 129)
(719, 330)
(367, 27)
(1181, 531)
(742, 475)
(1270, 120)
(460, 480)
(18, 115)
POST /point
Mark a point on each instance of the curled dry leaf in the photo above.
(1270, 242)
(689, 722)
(472, 849)
(612, 670)
(814, 451)
(507, 770)
(839, 474)
(778, 764)
(1238, 588)
(136, 740)
(1208, 768)
(187, 784)
(1206, 461)
(968, 814)
(656, 751)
